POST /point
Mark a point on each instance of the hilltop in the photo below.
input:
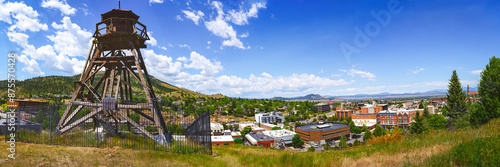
(64, 85)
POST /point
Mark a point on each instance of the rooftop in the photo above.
(222, 138)
(322, 127)
(260, 137)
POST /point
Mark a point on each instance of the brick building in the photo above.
(318, 132)
(370, 120)
(343, 114)
(222, 140)
(260, 140)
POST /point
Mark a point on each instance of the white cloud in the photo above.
(207, 67)
(25, 17)
(178, 17)
(220, 25)
(193, 15)
(183, 59)
(155, 1)
(30, 66)
(151, 41)
(417, 71)
(363, 74)
(184, 46)
(163, 47)
(61, 5)
(241, 17)
(244, 35)
(70, 40)
(160, 65)
(476, 72)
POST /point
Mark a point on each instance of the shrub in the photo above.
(311, 149)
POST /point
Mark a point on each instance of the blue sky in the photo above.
(263, 49)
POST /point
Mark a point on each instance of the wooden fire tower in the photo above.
(116, 51)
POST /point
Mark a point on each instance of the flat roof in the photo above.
(260, 137)
(321, 127)
(222, 138)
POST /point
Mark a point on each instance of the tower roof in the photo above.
(121, 13)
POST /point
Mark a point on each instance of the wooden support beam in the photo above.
(73, 114)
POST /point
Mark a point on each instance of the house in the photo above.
(283, 137)
(260, 140)
(269, 117)
(235, 135)
(216, 129)
(27, 105)
(222, 140)
(267, 127)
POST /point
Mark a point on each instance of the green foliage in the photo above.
(437, 121)
(343, 142)
(354, 129)
(311, 149)
(478, 114)
(297, 141)
(333, 118)
(356, 143)
(151, 128)
(276, 128)
(456, 104)
(489, 90)
(245, 131)
(379, 131)
(238, 141)
(426, 113)
(364, 128)
(48, 118)
(461, 122)
(176, 129)
(327, 146)
(368, 135)
(417, 127)
(314, 120)
(135, 117)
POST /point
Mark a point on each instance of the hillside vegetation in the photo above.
(465, 147)
(64, 85)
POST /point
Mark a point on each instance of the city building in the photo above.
(323, 107)
(254, 127)
(375, 108)
(269, 117)
(235, 135)
(260, 140)
(343, 114)
(431, 109)
(278, 134)
(387, 118)
(370, 120)
(27, 105)
(268, 127)
(222, 140)
(217, 129)
(318, 132)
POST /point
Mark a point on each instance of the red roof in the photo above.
(473, 93)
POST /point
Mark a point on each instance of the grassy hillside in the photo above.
(465, 147)
(64, 85)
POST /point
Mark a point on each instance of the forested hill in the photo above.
(64, 85)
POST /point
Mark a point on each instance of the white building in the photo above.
(254, 127)
(216, 128)
(269, 117)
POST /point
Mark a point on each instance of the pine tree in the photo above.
(489, 90)
(456, 97)
(417, 126)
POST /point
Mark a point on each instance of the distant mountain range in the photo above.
(384, 95)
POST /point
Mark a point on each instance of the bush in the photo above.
(367, 136)
(479, 152)
(388, 138)
(437, 121)
(238, 141)
(356, 143)
(311, 149)
(276, 128)
(297, 141)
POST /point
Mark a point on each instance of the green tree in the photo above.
(276, 128)
(365, 128)
(297, 141)
(135, 117)
(311, 149)
(327, 146)
(379, 131)
(238, 141)
(314, 120)
(478, 114)
(245, 131)
(489, 90)
(368, 135)
(356, 143)
(426, 113)
(437, 121)
(343, 142)
(456, 97)
(417, 127)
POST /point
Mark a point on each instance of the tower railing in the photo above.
(136, 27)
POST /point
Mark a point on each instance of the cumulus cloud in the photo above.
(25, 18)
(362, 74)
(476, 72)
(60, 5)
(207, 67)
(70, 39)
(151, 41)
(193, 15)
